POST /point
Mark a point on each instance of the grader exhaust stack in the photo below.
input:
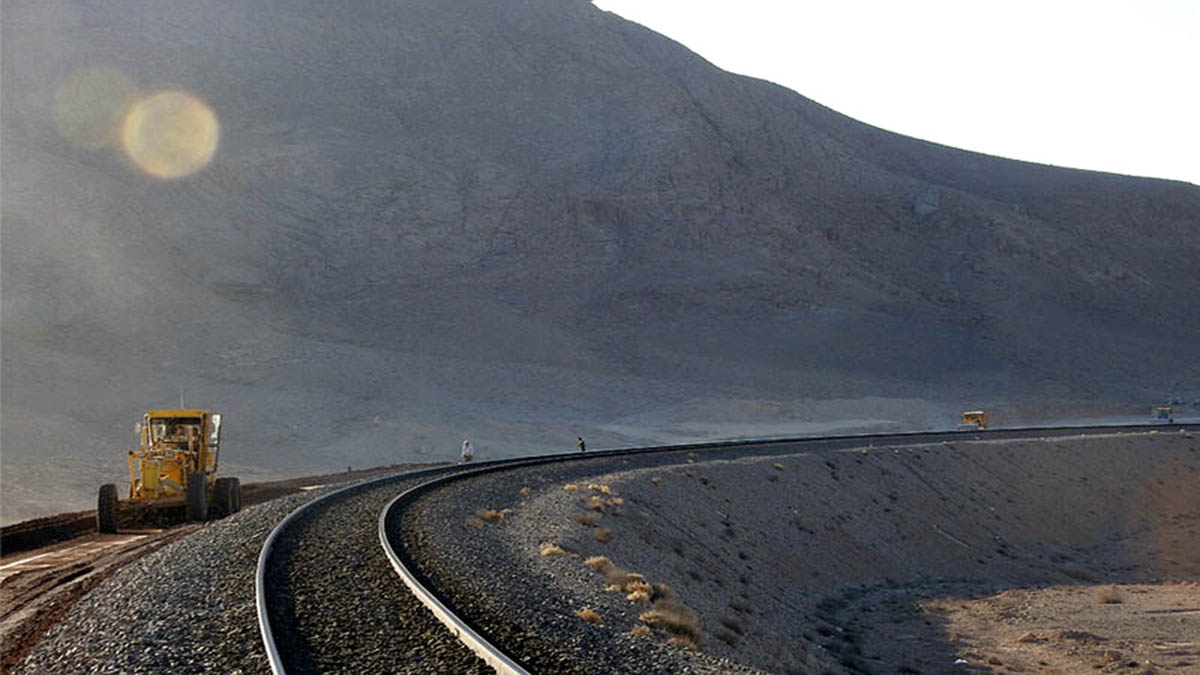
(173, 473)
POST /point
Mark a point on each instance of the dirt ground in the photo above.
(1065, 555)
(1094, 628)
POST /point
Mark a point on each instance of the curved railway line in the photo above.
(327, 593)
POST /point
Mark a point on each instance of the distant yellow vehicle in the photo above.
(973, 420)
(172, 475)
(1163, 414)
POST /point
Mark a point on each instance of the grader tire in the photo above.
(237, 495)
(227, 497)
(197, 497)
(106, 509)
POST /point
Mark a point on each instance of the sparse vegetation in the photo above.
(1109, 595)
(727, 637)
(602, 535)
(656, 480)
(637, 585)
(491, 515)
(571, 487)
(526, 491)
(672, 618)
(549, 549)
(589, 518)
(599, 563)
(640, 630)
(734, 624)
(475, 522)
(601, 488)
(683, 640)
(589, 615)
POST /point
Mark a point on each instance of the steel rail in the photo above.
(268, 548)
(468, 633)
(266, 631)
(473, 637)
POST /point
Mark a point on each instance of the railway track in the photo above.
(328, 593)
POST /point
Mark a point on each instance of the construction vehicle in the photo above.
(1162, 415)
(973, 420)
(173, 474)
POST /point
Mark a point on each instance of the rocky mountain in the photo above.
(521, 221)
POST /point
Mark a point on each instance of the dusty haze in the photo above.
(523, 221)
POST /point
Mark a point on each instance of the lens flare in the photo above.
(170, 134)
(88, 105)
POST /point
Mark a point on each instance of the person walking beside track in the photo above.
(580, 445)
(468, 453)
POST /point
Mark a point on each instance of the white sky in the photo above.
(1094, 84)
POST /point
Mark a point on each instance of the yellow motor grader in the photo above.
(173, 474)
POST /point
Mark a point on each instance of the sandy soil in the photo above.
(1062, 555)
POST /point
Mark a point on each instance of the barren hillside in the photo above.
(521, 221)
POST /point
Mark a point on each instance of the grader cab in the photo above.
(172, 474)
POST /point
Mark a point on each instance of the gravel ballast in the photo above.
(188, 607)
(767, 546)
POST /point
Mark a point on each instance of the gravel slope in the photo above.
(846, 561)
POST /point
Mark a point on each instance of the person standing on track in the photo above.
(468, 453)
(580, 445)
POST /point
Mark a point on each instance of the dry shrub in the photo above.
(675, 620)
(662, 591)
(638, 596)
(526, 491)
(656, 480)
(570, 487)
(617, 501)
(1109, 595)
(623, 578)
(727, 637)
(602, 535)
(596, 503)
(734, 624)
(589, 615)
(778, 467)
(640, 630)
(490, 515)
(634, 585)
(620, 580)
(612, 588)
(475, 522)
(600, 563)
(590, 518)
(552, 549)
